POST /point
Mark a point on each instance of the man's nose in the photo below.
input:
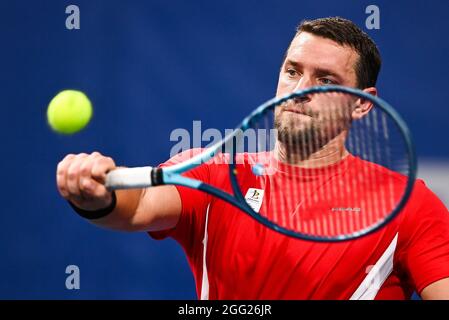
(303, 83)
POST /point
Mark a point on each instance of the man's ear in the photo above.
(363, 106)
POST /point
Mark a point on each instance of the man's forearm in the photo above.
(123, 216)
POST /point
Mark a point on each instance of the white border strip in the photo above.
(376, 277)
(205, 280)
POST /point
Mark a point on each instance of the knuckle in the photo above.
(71, 175)
(60, 168)
(62, 165)
(72, 172)
(63, 192)
(85, 168)
(99, 165)
(98, 171)
(85, 185)
(106, 163)
(102, 159)
(68, 157)
(110, 160)
(102, 165)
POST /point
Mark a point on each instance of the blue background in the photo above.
(150, 67)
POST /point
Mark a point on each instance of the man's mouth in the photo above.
(297, 111)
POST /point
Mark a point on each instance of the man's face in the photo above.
(315, 61)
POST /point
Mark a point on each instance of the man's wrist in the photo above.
(96, 214)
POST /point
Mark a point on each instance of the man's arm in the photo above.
(438, 290)
(80, 179)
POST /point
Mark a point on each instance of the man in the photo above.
(229, 257)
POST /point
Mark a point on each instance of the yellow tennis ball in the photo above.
(69, 112)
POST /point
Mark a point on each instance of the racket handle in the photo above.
(129, 178)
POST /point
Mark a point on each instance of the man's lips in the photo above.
(297, 111)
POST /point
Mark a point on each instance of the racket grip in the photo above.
(129, 178)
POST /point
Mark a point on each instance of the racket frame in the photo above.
(171, 175)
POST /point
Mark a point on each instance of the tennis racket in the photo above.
(327, 163)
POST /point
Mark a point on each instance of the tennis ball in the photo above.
(69, 112)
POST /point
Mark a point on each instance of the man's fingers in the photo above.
(91, 189)
(85, 173)
(101, 167)
(61, 171)
(100, 191)
(73, 174)
(80, 179)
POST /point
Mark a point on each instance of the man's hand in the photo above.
(80, 179)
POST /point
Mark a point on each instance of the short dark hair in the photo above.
(345, 32)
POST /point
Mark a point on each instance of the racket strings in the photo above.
(348, 194)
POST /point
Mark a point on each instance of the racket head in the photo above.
(353, 197)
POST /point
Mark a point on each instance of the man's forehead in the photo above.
(310, 49)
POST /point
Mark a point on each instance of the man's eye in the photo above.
(326, 81)
(291, 72)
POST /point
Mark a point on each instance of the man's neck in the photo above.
(331, 153)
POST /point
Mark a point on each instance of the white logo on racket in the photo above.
(254, 198)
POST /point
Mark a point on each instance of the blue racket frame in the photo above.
(172, 174)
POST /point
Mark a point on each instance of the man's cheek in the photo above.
(285, 86)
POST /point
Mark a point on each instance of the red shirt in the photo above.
(232, 256)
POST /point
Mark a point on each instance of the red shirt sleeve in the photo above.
(425, 236)
(190, 227)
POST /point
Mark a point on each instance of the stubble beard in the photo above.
(301, 139)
